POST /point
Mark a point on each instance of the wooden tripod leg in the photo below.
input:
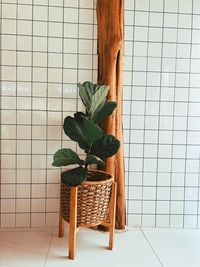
(112, 215)
(73, 222)
(61, 231)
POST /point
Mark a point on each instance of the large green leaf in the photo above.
(82, 130)
(74, 131)
(86, 95)
(92, 87)
(98, 99)
(65, 157)
(74, 176)
(105, 147)
(93, 96)
(104, 112)
(91, 159)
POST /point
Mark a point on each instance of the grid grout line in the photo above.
(16, 117)
(173, 119)
(43, 101)
(158, 140)
(63, 29)
(47, 95)
(145, 100)
(170, 165)
(198, 196)
(158, 113)
(187, 124)
(129, 137)
(78, 38)
(31, 121)
(0, 102)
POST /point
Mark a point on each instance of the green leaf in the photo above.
(98, 99)
(65, 157)
(92, 87)
(85, 95)
(82, 130)
(74, 176)
(74, 131)
(105, 147)
(93, 96)
(91, 159)
(104, 112)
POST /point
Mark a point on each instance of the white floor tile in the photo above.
(131, 249)
(175, 248)
(39, 248)
(24, 248)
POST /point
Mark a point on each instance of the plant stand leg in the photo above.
(73, 222)
(112, 215)
(61, 231)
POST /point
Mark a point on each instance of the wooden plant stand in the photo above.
(73, 227)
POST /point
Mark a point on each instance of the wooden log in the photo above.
(110, 18)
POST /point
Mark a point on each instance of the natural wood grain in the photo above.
(73, 222)
(112, 216)
(74, 202)
(110, 17)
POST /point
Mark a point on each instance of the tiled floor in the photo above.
(133, 248)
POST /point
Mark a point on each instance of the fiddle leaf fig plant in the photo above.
(94, 98)
(83, 129)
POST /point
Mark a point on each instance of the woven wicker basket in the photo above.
(93, 199)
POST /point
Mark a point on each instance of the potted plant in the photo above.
(94, 187)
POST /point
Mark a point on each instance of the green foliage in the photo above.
(92, 159)
(105, 147)
(104, 112)
(93, 96)
(74, 176)
(82, 128)
(65, 157)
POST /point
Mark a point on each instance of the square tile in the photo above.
(162, 220)
(38, 205)
(38, 190)
(171, 6)
(40, 12)
(22, 205)
(7, 206)
(156, 19)
(141, 18)
(55, 14)
(8, 220)
(156, 6)
(8, 11)
(149, 193)
(23, 191)
(142, 5)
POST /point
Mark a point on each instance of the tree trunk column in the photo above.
(110, 17)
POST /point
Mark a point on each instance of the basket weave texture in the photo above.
(93, 199)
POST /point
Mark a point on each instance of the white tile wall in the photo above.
(161, 121)
(46, 48)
